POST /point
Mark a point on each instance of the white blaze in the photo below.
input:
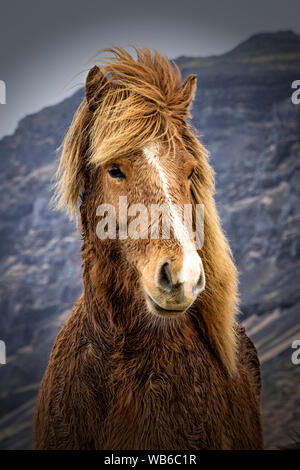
(192, 264)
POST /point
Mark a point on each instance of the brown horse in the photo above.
(151, 357)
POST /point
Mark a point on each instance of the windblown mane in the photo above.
(141, 101)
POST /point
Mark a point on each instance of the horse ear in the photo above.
(95, 83)
(188, 88)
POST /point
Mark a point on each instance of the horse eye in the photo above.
(191, 174)
(115, 172)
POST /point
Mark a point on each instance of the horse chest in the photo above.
(165, 406)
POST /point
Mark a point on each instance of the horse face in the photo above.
(148, 192)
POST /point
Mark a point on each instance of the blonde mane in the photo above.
(140, 101)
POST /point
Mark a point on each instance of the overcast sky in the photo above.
(45, 44)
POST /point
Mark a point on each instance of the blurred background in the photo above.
(246, 57)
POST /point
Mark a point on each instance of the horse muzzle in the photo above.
(175, 287)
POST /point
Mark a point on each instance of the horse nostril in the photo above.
(165, 279)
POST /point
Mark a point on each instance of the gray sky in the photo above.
(44, 44)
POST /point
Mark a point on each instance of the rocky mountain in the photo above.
(243, 110)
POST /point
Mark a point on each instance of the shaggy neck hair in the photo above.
(132, 103)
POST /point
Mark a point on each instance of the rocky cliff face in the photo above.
(244, 112)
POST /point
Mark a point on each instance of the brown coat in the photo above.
(107, 389)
